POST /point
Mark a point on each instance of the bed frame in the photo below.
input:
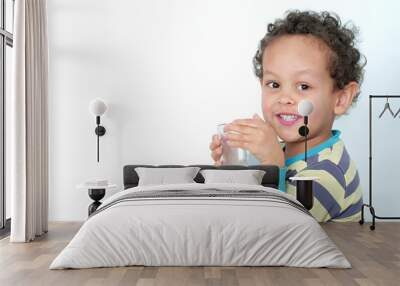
(270, 179)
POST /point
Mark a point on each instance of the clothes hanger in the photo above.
(398, 111)
(387, 106)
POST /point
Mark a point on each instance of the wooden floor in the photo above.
(374, 255)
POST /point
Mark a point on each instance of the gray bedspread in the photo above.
(201, 224)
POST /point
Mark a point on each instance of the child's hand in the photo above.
(258, 137)
(216, 150)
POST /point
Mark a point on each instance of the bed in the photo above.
(201, 224)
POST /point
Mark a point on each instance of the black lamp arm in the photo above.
(100, 131)
(303, 131)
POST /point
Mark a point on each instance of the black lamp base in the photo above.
(100, 130)
(304, 193)
(96, 195)
(303, 130)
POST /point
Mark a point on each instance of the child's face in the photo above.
(295, 67)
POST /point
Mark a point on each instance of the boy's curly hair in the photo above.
(345, 63)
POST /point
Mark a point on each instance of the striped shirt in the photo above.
(337, 192)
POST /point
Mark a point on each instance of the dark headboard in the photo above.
(270, 179)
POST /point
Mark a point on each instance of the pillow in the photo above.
(162, 176)
(249, 177)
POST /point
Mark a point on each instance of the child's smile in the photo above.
(288, 119)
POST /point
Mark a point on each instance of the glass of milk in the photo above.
(231, 155)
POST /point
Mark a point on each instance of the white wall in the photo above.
(171, 70)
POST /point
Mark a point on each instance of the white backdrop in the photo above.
(170, 71)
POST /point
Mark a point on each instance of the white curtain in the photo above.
(28, 122)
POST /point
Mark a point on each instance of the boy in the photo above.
(306, 55)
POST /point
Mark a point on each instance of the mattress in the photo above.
(201, 225)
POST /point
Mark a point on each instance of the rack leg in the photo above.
(372, 210)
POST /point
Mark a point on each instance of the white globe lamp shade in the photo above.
(97, 107)
(305, 107)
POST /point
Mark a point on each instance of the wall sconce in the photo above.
(305, 107)
(97, 107)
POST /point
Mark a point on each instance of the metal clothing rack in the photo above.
(369, 205)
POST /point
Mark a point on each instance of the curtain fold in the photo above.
(29, 122)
